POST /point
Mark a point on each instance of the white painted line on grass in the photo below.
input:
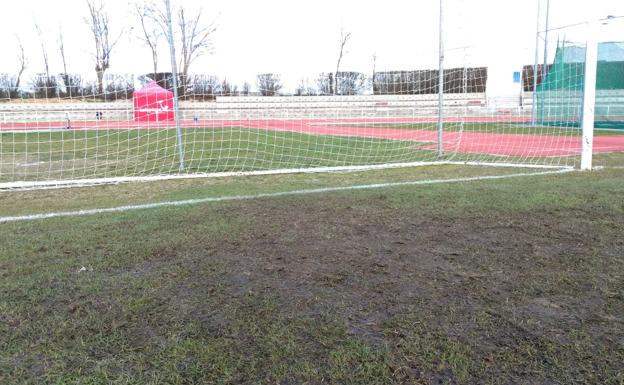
(39, 185)
(186, 202)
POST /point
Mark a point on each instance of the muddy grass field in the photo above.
(514, 281)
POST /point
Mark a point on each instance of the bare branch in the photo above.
(374, 71)
(194, 38)
(62, 51)
(343, 42)
(150, 35)
(269, 84)
(44, 51)
(21, 57)
(99, 24)
(71, 83)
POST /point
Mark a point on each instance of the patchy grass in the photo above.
(77, 198)
(507, 281)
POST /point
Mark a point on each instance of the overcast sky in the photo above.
(300, 38)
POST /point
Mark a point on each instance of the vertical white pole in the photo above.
(534, 106)
(546, 35)
(589, 96)
(174, 73)
(440, 83)
(545, 67)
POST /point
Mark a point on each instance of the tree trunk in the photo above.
(100, 80)
(155, 65)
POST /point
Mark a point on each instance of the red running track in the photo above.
(465, 142)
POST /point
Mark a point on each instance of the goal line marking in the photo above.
(186, 202)
(40, 185)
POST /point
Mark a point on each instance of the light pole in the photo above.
(534, 104)
(440, 82)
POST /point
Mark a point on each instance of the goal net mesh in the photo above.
(69, 127)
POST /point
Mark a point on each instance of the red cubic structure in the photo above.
(152, 103)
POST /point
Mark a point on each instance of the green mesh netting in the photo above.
(560, 97)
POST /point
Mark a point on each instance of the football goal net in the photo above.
(424, 98)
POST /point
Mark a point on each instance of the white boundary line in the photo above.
(38, 185)
(187, 202)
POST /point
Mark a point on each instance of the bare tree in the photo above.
(151, 33)
(193, 35)
(373, 85)
(325, 84)
(300, 90)
(71, 83)
(304, 88)
(204, 87)
(7, 84)
(228, 89)
(245, 89)
(119, 86)
(99, 23)
(344, 38)
(64, 75)
(21, 57)
(44, 51)
(351, 83)
(269, 84)
(46, 85)
(195, 40)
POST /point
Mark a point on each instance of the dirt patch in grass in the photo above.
(527, 297)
